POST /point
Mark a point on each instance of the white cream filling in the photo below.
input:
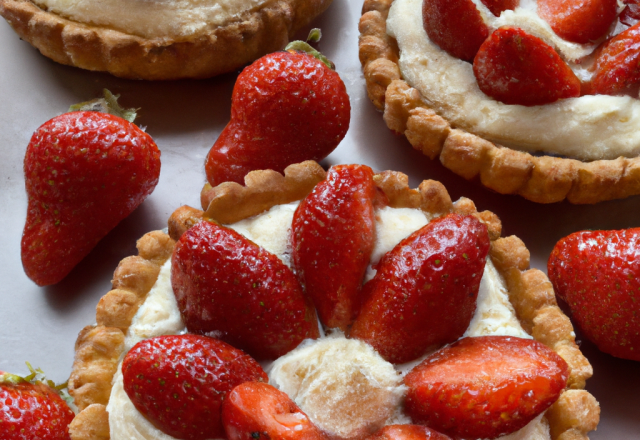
(354, 360)
(587, 128)
(170, 19)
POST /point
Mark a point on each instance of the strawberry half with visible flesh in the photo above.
(333, 234)
(617, 63)
(597, 273)
(579, 21)
(179, 382)
(287, 107)
(517, 68)
(454, 25)
(408, 432)
(485, 387)
(258, 411)
(32, 410)
(424, 292)
(229, 286)
(84, 173)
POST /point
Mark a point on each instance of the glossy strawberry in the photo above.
(517, 68)
(258, 411)
(485, 387)
(579, 21)
(454, 25)
(287, 107)
(32, 410)
(498, 6)
(230, 287)
(597, 273)
(408, 432)
(84, 173)
(333, 234)
(424, 292)
(179, 382)
(617, 63)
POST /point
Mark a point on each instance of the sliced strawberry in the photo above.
(579, 21)
(454, 25)
(485, 387)
(332, 239)
(630, 15)
(618, 63)
(408, 432)
(424, 293)
(179, 382)
(228, 286)
(498, 6)
(517, 68)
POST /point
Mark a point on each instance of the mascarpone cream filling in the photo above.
(170, 19)
(586, 128)
(301, 373)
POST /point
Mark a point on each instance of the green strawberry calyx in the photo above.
(36, 377)
(303, 46)
(107, 104)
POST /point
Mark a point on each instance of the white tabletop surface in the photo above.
(185, 117)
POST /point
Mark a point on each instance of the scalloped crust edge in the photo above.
(574, 414)
(128, 56)
(541, 179)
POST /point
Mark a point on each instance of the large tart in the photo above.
(158, 39)
(517, 300)
(584, 149)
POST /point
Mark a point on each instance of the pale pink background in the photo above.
(185, 117)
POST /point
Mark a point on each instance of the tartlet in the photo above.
(100, 347)
(159, 53)
(539, 177)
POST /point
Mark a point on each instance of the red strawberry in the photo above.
(424, 293)
(179, 382)
(630, 15)
(498, 6)
(287, 107)
(257, 411)
(332, 239)
(84, 173)
(485, 387)
(454, 25)
(618, 63)
(32, 410)
(597, 273)
(229, 286)
(407, 432)
(517, 68)
(579, 21)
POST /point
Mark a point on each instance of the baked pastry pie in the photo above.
(156, 39)
(513, 300)
(582, 148)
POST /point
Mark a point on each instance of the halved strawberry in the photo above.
(424, 293)
(579, 21)
(258, 411)
(517, 68)
(454, 25)
(630, 15)
(228, 286)
(618, 63)
(408, 432)
(498, 6)
(333, 234)
(485, 387)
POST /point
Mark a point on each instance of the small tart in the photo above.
(504, 167)
(100, 347)
(211, 37)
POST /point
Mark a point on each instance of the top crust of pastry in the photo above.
(542, 179)
(574, 414)
(225, 49)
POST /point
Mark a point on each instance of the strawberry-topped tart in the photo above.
(537, 98)
(330, 305)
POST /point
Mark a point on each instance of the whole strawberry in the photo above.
(30, 411)
(597, 273)
(84, 172)
(287, 107)
(179, 382)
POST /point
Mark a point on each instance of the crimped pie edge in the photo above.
(100, 347)
(229, 47)
(542, 179)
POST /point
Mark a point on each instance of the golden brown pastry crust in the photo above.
(229, 47)
(576, 412)
(542, 179)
